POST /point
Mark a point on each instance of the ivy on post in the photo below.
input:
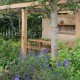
(24, 32)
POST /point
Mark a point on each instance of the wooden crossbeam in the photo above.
(26, 4)
(35, 48)
(19, 5)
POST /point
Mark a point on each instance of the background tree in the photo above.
(52, 12)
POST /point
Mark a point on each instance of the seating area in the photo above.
(39, 44)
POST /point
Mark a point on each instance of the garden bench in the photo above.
(37, 44)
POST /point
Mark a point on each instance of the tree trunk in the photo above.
(54, 32)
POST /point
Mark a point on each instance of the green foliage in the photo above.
(8, 52)
(34, 25)
(8, 22)
(40, 66)
(63, 50)
(74, 57)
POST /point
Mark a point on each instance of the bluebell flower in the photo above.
(41, 52)
(17, 78)
(58, 63)
(65, 62)
(27, 79)
(42, 65)
(34, 70)
(25, 57)
(38, 54)
(45, 50)
(30, 52)
(19, 57)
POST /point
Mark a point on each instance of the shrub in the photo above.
(8, 52)
(39, 67)
(42, 66)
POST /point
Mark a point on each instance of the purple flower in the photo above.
(65, 62)
(30, 52)
(27, 78)
(19, 57)
(41, 52)
(46, 50)
(34, 70)
(58, 63)
(25, 57)
(42, 65)
(17, 78)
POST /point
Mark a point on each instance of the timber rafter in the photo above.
(26, 4)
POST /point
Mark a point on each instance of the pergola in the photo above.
(24, 12)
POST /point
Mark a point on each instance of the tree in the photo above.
(53, 16)
(52, 11)
(54, 28)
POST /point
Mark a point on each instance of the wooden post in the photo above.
(24, 32)
(19, 23)
(78, 24)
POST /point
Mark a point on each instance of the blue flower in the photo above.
(19, 57)
(27, 78)
(46, 50)
(42, 65)
(65, 62)
(41, 52)
(30, 52)
(58, 63)
(34, 70)
(17, 78)
(25, 57)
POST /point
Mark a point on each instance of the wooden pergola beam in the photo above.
(19, 5)
(27, 4)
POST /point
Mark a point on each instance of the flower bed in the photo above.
(42, 66)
